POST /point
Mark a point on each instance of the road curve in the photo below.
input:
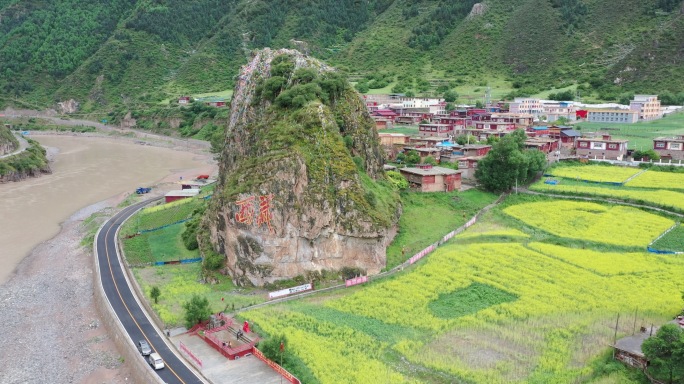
(125, 305)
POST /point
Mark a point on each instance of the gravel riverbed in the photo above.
(52, 332)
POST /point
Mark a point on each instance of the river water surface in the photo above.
(85, 171)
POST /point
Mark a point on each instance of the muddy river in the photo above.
(85, 171)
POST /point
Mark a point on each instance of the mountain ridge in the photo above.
(131, 53)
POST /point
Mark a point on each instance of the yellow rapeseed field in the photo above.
(599, 173)
(661, 180)
(615, 225)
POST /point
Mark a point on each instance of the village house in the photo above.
(425, 152)
(468, 166)
(612, 116)
(537, 131)
(393, 143)
(372, 105)
(494, 126)
(456, 123)
(603, 147)
(172, 196)
(475, 149)
(669, 148)
(527, 106)
(439, 130)
(543, 144)
(184, 100)
(391, 139)
(213, 101)
(647, 106)
(565, 134)
(429, 178)
(427, 141)
(555, 110)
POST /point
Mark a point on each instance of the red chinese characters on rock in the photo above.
(247, 211)
(265, 212)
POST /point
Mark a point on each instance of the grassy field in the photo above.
(410, 130)
(641, 135)
(179, 282)
(426, 217)
(536, 308)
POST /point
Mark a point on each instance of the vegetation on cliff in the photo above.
(8, 142)
(31, 162)
(311, 115)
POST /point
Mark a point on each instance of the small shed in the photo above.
(428, 178)
(180, 194)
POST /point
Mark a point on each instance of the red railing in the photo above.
(282, 371)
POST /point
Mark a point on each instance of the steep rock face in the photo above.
(301, 186)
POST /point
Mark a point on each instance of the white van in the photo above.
(155, 361)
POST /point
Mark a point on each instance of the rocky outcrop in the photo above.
(68, 106)
(301, 186)
(479, 9)
(8, 143)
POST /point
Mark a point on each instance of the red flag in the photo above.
(282, 347)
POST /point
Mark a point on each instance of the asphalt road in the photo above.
(133, 318)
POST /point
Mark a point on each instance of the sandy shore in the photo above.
(52, 332)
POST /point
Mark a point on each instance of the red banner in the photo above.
(356, 281)
(421, 254)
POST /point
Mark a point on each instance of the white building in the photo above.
(526, 105)
(435, 106)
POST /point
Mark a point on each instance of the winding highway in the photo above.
(123, 301)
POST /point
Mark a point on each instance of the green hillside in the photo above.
(126, 54)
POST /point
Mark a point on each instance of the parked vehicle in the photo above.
(155, 361)
(144, 348)
(142, 190)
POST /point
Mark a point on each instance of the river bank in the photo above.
(52, 330)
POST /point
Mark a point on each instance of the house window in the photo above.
(677, 146)
(583, 144)
(612, 146)
(660, 145)
(597, 145)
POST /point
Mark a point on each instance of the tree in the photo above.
(508, 163)
(412, 157)
(648, 153)
(450, 96)
(155, 293)
(450, 107)
(665, 352)
(196, 310)
(478, 104)
(430, 160)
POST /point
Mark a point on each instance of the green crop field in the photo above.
(673, 241)
(540, 307)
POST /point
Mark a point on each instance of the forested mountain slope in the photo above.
(125, 53)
